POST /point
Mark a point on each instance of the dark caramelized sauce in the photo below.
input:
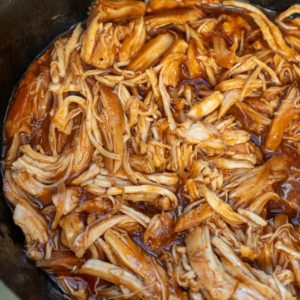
(23, 101)
(39, 128)
(241, 112)
(289, 189)
(197, 83)
(182, 201)
(282, 207)
(289, 192)
(256, 139)
(61, 260)
(145, 208)
(44, 199)
(137, 237)
(178, 240)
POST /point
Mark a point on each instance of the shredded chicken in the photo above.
(153, 153)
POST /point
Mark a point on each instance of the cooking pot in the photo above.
(26, 28)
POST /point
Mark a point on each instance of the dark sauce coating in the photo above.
(21, 107)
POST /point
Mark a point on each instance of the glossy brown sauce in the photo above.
(23, 102)
(288, 190)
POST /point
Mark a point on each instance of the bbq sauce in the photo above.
(24, 111)
(288, 190)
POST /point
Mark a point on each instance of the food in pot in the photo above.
(153, 153)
